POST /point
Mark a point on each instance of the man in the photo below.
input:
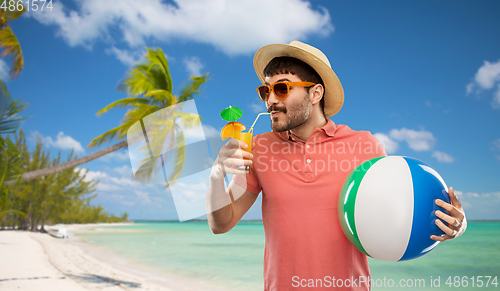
(300, 167)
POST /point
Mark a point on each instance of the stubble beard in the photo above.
(295, 116)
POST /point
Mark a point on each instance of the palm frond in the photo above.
(119, 132)
(149, 75)
(137, 81)
(159, 65)
(123, 103)
(10, 46)
(12, 15)
(3, 89)
(163, 98)
(9, 161)
(134, 115)
(180, 157)
(9, 121)
(192, 88)
(107, 136)
(188, 120)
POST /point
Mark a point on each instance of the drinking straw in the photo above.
(251, 128)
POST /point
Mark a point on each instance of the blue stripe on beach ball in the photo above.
(428, 186)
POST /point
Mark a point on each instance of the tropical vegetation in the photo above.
(9, 45)
(149, 88)
(60, 198)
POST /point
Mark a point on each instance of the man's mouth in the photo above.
(275, 113)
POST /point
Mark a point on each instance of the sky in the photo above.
(422, 76)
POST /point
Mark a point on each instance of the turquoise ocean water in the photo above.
(233, 261)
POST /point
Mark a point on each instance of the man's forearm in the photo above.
(219, 206)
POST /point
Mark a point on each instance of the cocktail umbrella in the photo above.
(231, 113)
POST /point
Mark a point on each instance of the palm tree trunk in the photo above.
(68, 165)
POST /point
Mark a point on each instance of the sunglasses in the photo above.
(280, 89)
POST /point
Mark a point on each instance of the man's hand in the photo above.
(232, 159)
(456, 222)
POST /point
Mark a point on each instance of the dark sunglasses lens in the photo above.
(264, 93)
(281, 90)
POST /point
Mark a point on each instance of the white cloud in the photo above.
(199, 133)
(107, 187)
(469, 88)
(124, 170)
(119, 156)
(475, 195)
(488, 75)
(443, 157)
(110, 183)
(389, 145)
(258, 107)
(193, 66)
(417, 140)
(210, 131)
(496, 98)
(62, 141)
(103, 178)
(217, 22)
(143, 196)
(496, 144)
(496, 147)
(4, 70)
(95, 175)
(480, 205)
(125, 56)
(485, 79)
(194, 192)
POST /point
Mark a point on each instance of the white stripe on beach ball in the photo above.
(385, 234)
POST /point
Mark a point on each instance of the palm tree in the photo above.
(9, 154)
(8, 40)
(150, 89)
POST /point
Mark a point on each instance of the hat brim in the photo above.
(334, 93)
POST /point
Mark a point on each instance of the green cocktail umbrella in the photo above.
(231, 113)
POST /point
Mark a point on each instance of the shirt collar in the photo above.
(322, 132)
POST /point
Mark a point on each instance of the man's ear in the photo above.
(316, 93)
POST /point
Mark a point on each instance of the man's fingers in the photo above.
(451, 209)
(237, 171)
(233, 158)
(235, 154)
(454, 198)
(440, 238)
(234, 143)
(444, 228)
(231, 143)
(237, 162)
(451, 220)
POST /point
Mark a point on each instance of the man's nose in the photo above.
(272, 99)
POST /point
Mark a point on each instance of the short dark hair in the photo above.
(288, 65)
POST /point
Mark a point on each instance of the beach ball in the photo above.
(387, 207)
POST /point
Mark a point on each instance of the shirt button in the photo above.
(308, 160)
(308, 146)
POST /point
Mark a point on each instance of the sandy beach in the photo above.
(36, 261)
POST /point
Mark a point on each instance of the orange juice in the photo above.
(245, 137)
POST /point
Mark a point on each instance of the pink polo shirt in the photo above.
(300, 183)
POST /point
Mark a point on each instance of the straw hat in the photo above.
(334, 94)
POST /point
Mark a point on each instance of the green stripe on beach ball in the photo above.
(347, 200)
